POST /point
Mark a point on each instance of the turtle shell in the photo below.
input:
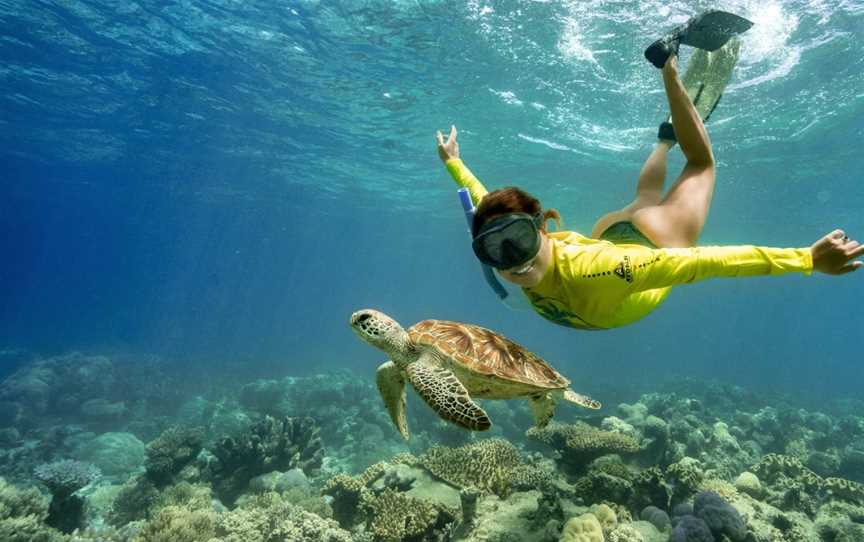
(487, 353)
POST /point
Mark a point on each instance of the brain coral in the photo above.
(584, 528)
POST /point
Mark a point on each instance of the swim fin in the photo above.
(705, 80)
(710, 30)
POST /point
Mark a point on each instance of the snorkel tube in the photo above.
(488, 274)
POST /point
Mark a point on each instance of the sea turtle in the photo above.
(449, 363)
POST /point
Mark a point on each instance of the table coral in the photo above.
(489, 465)
(580, 443)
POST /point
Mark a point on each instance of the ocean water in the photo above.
(218, 185)
(217, 180)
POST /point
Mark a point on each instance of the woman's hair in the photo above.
(510, 200)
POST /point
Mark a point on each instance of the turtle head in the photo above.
(379, 330)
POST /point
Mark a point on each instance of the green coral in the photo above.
(23, 514)
(396, 516)
(179, 524)
(489, 465)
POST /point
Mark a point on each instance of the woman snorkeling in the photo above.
(636, 254)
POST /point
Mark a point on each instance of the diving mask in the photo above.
(508, 240)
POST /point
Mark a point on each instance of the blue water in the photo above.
(228, 181)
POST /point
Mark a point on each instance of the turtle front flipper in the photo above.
(391, 386)
(442, 391)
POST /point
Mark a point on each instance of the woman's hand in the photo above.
(450, 149)
(835, 254)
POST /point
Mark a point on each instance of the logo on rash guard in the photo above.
(623, 270)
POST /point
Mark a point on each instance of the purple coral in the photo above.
(656, 517)
(719, 515)
(63, 478)
(691, 529)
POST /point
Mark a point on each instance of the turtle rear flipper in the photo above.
(581, 400)
(442, 391)
(391, 386)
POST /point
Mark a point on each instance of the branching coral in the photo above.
(22, 516)
(133, 501)
(346, 490)
(686, 476)
(272, 444)
(170, 452)
(268, 517)
(179, 524)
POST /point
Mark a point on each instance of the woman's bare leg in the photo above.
(649, 189)
(678, 219)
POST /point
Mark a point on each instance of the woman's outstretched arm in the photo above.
(449, 153)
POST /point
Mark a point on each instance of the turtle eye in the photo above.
(362, 318)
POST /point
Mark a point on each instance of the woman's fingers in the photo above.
(856, 249)
(452, 136)
(849, 267)
(440, 137)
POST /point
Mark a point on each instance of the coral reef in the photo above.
(245, 463)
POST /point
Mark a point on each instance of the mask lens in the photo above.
(509, 244)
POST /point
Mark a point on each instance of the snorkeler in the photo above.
(635, 255)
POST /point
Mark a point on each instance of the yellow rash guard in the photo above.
(596, 284)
